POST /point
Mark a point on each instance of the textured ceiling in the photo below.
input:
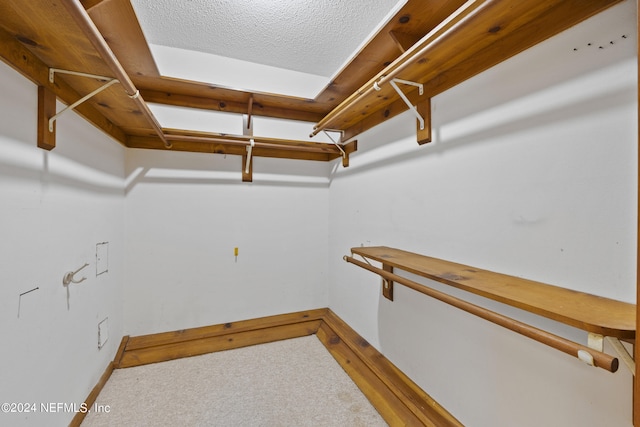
(311, 36)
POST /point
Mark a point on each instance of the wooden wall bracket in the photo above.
(46, 109)
(249, 113)
(47, 115)
(349, 148)
(387, 284)
(424, 109)
(340, 146)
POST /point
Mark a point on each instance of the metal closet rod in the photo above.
(329, 149)
(599, 359)
(441, 32)
(82, 18)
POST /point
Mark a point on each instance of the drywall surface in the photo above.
(532, 172)
(185, 215)
(55, 207)
(314, 37)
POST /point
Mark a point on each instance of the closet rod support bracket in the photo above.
(345, 156)
(586, 357)
(394, 84)
(109, 81)
(249, 154)
(53, 71)
(623, 353)
(336, 144)
(247, 130)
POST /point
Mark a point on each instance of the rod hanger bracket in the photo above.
(596, 342)
(53, 71)
(249, 154)
(586, 357)
(247, 130)
(387, 284)
(420, 86)
(361, 256)
(344, 155)
(109, 81)
(623, 353)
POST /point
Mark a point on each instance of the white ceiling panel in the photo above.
(310, 36)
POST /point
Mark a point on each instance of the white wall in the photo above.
(54, 208)
(185, 214)
(532, 172)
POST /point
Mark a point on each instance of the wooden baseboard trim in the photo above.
(392, 409)
(91, 399)
(120, 352)
(404, 402)
(161, 347)
(394, 395)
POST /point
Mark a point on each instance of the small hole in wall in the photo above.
(602, 46)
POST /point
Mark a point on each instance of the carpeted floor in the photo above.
(287, 383)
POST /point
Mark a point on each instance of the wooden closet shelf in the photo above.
(474, 38)
(588, 312)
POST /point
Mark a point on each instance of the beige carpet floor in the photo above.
(287, 383)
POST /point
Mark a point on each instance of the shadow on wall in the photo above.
(604, 42)
(84, 171)
(75, 176)
(164, 167)
(582, 108)
(83, 159)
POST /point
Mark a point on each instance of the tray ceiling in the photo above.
(310, 36)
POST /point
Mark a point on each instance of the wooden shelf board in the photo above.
(211, 142)
(497, 32)
(588, 312)
(47, 33)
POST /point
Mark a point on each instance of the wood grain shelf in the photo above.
(474, 38)
(437, 43)
(588, 312)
